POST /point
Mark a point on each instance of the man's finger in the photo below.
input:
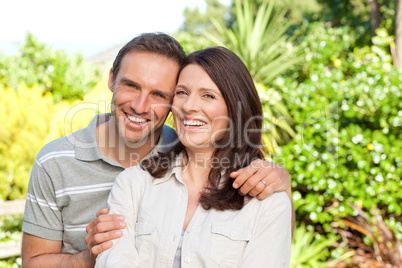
(236, 173)
(96, 250)
(244, 175)
(104, 237)
(268, 190)
(103, 227)
(253, 180)
(104, 218)
(259, 188)
(102, 211)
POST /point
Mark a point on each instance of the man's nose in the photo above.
(141, 103)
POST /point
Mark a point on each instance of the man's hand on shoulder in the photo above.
(262, 178)
(102, 230)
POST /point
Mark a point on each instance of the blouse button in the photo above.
(187, 259)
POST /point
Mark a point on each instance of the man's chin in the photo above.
(134, 142)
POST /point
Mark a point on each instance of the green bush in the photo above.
(29, 120)
(24, 124)
(67, 77)
(348, 114)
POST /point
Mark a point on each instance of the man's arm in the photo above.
(40, 252)
(43, 225)
(275, 176)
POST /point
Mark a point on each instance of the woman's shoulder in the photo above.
(134, 176)
(277, 201)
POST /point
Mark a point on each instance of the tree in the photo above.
(67, 77)
(195, 21)
(375, 15)
(398, 35)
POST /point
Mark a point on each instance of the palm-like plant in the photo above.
(262, 43)
(259, 40)
(307, 252)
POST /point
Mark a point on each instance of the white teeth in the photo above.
(193, 123)
(136, 119)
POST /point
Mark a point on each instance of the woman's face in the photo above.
(199, 110)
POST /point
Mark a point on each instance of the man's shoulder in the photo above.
(61, 145)
(168, 139)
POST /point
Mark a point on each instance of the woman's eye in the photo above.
(209, 96)
(181, 92)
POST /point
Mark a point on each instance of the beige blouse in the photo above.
(259, 235)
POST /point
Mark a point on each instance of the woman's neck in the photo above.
(197, 168)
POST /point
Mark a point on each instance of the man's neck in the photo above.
(112, 146)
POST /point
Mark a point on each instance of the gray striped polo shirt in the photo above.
(70, 181)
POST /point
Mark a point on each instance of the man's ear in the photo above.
(110, 82)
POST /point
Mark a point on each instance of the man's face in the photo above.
(142, 94)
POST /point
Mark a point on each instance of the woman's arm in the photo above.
(270, 244)
(123, 199)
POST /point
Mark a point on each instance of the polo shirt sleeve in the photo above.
(270, 245)
(42, 216)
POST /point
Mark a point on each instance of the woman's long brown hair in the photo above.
(241, 145)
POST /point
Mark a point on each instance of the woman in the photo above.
(181, 208)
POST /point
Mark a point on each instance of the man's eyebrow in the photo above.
(127, 81)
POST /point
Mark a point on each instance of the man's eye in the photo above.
(159, 95)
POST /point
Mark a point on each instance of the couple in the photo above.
(72, 176)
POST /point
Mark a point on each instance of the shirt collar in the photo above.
(85, 142)
(173, 173)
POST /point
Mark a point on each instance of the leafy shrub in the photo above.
(66, 76)
(24, 124)
(348, 114)
(192, 42)
(29, 120)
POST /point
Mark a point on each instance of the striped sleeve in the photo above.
(42, 216)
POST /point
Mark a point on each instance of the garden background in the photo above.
(328, 77)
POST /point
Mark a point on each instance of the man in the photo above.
(72, 176)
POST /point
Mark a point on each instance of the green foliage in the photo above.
(348, 114)
(356, 14)
(195, 21)
(13, 262)
(298, 9)
(10, 232)
(66, 76)
(28, 120)
(308, 251)
(10, 227)
(260, 41)
(277, 129)
(192, 42)
(24, 124)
